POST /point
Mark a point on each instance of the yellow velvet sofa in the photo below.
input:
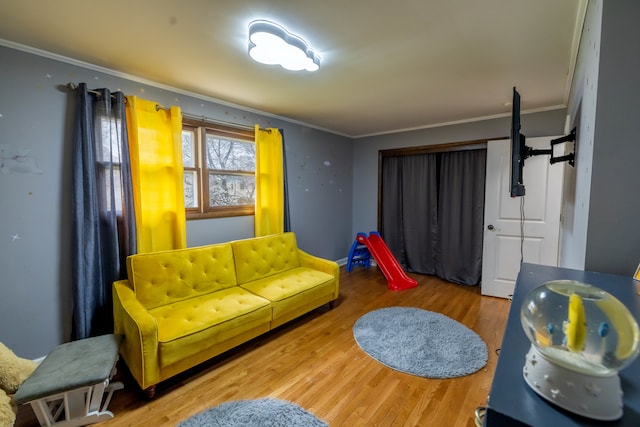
(181, 307)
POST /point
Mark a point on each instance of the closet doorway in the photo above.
(431, 208)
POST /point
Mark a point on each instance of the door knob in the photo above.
(490, 227)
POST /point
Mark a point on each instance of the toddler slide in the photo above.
(392, 270)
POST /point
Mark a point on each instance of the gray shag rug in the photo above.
(420, 342)
(255, 413)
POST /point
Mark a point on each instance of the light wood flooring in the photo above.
(315, 362)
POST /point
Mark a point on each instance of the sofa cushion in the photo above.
(160, 278)
(288, 283)
(189, 326)
(264, 256)
(293, 288)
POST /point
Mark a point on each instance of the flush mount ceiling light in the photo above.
(271, 44)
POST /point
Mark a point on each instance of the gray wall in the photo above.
(36, 114)
(613, 241)
(581, 114)
(604, 235)
(365, 152)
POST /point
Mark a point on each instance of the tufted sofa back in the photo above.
(160, 278)
(263, 256)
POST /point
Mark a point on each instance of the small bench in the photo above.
(68, 388)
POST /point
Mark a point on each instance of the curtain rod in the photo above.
(208, 119)
(73, 86)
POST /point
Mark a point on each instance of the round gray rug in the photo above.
(255, 413)
(420, 342)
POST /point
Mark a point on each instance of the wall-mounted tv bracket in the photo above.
(571, 157)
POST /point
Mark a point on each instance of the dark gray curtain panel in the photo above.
(461, 216)
(432, 213)
(409, 210)
(103, 230)
(391, 216)
(287, 215)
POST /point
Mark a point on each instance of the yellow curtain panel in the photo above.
(155, 143)
(269, 209)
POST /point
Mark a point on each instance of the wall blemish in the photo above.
(17, 160)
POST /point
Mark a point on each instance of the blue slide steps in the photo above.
(358, 255)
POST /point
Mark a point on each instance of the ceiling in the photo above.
(385, 66)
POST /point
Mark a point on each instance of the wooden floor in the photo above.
(315, 362)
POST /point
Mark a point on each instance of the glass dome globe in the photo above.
(580, 327)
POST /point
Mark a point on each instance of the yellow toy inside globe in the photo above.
(580, 327)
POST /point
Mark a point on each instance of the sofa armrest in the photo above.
(321, 264)
(139, 347)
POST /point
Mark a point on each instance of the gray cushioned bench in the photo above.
(68, 388)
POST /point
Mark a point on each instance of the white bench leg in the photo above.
(77, 407)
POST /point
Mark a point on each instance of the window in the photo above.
(219, 170)
(109, 163)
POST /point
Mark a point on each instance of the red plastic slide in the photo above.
(395, 275)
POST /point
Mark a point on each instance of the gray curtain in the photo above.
(461, 216)
(432, 213)
(103, 232)
(287, 215)
(409, 210)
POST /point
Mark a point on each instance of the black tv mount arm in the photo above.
(571, 157)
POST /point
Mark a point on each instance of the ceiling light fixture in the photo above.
(271, 44)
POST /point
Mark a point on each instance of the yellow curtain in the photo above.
(269, 209)
(155, 144)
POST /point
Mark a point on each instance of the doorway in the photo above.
(431, 209)
(520, 229)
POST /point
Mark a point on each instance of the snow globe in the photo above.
(581, 336)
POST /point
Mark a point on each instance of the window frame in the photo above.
(108, 168)
(200, 129)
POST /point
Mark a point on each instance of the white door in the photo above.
(502, 224)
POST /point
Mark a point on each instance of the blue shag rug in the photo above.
(420, 342)
(255, 413)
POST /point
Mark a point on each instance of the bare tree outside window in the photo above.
(189, 158)
(108, 156)
(231, 165)
(219, 166)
